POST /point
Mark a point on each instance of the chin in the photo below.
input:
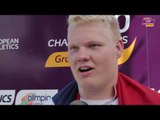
(88, 82)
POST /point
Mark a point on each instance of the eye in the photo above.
(73, 48)
(93, 45)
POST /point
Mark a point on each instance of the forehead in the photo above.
(87, 30)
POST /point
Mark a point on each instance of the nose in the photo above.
(83, 55)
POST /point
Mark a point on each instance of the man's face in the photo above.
(92, 54)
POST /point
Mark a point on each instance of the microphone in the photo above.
(78, 102)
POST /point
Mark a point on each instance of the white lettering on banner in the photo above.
(9, 44)
(125, 27)
(57, 42)
(125, 39)
(127, 23)
(7, 97)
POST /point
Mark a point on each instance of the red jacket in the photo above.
(131, 92)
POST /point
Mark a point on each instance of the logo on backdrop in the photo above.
(9, 43)
(7, 97)
(57, 59)
(148, 22)
(35, 97)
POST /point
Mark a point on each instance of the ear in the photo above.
(119, 47)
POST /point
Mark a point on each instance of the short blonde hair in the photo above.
(110, 20)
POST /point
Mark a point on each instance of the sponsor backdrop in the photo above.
(33, 55)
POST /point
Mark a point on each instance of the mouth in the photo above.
(84, 69)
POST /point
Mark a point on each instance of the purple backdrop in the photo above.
(27, 41)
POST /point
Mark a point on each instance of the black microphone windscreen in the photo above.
(78, 102)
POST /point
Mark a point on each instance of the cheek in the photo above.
(106, 58)
(71, 59)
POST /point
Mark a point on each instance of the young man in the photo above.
(94, 46)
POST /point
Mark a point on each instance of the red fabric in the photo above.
(131, 92)
(77, 96)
